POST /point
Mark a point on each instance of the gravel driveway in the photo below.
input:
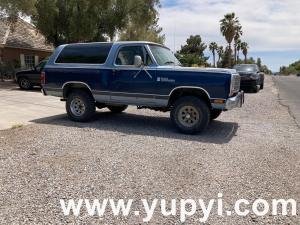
(248, 153)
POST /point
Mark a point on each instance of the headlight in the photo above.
(235, 84)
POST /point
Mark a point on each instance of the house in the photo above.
(21, 44)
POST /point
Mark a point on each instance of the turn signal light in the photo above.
(219, 101)
(43, 78)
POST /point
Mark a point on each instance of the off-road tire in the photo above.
(86, 100)
(262, 86)
(255, 89)
(180, 110)
(24, 83)
(215, 113)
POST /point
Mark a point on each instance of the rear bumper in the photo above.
(57, 92)
(236, 101)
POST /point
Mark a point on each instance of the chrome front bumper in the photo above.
(231, 103)
(235, 102)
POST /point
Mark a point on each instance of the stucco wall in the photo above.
(15, 55)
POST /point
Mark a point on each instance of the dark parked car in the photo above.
(251, 77)
(298, 75)
(29, 78)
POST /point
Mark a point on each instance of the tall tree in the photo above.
(220, 52)
(143, 23)
(258, 62)
(213, 48)
(245, 47)
(238, 49)
(13, 8)
(65, 21)
(228, 27)
(193, 52)
(237, 36)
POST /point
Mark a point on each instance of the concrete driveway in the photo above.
(20, 107)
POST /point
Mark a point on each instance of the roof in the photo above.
(116, 43)
(21, 34)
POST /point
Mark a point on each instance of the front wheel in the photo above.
(255, 88)
(117, 108)
(262, 86)
(215, 113)
(80, 106)
(190, 115)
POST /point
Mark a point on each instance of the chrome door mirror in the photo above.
(138, 62)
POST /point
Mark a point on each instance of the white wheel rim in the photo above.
(77, 107)
(188, 116)
(24, 83)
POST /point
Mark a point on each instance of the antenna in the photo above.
(174, 44)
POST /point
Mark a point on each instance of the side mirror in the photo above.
(138, 62)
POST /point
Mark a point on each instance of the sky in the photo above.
(270, 27)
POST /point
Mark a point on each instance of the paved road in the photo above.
(289, 94)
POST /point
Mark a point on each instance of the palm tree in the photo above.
(238, 49)
(245, 47)
(220, 52)
(213, 47)
(238, 34)
(228, 26)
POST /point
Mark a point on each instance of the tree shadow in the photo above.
(34, 89)
(218, 132)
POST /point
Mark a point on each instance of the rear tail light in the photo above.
(43, 78)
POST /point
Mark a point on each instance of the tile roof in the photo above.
(21, 34)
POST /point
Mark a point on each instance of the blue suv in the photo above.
(143, 74)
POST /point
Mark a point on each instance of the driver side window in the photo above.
(126, 55)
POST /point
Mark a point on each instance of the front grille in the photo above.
(235, 83)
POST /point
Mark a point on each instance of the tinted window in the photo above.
(246, 68)
(85, 53)
(126, 55)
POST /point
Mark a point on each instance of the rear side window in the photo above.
(85, 53)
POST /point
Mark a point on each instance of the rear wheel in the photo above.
(215, 113)
(24, 83)
(117, 108)
(190, 115)
(80, 106)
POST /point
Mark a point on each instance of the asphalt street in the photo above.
(289, 94)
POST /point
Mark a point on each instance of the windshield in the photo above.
(164, 56)
(246, 68)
